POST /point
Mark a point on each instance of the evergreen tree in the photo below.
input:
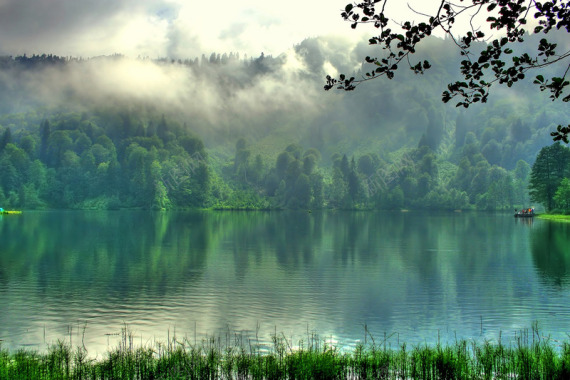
(241, 160)
(302, 192)
(366, 165)
(521, 180)
(256, 171)
(5, 139)
(45, 132)
(550, 167)
(317, 185)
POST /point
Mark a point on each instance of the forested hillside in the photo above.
(103, 160)
(226, 131)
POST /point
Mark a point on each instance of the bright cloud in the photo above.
(178, 28)
(158, 28)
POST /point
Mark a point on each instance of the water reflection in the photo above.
(73, 250)
(551, 252)
(420, 275)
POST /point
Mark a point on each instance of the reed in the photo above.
(529, 356)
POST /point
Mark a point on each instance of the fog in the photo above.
(218, 90)
(224, 95)
(157, 28)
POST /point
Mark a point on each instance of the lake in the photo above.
(412, 277)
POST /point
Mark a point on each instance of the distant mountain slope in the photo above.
(271, 102)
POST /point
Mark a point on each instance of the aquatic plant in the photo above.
(528, 356)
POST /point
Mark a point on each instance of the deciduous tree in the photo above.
(399, 40)
(562, 196)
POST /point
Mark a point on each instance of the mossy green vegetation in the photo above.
(529, 356)
(555, 217)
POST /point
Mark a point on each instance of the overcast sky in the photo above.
(173, 28)
(158, 28)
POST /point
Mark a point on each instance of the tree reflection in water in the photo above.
(551, 252)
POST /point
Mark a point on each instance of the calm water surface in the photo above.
(416, 277)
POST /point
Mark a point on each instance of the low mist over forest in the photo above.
(225, 130)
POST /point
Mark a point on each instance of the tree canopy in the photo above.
(480, 68)
(368, 151)
(549, 170)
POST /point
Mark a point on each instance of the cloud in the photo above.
(157, 28)
(82, 28)
(177, 28)
(214, 94)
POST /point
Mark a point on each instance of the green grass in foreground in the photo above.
(528, 357)
(556, 217)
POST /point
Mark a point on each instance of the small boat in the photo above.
(524, 213)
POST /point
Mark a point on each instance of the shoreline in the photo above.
(555, 217)
(529, 355)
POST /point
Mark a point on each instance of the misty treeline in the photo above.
(114, 159)
(416, 179)
(236, 133)
(42, 60)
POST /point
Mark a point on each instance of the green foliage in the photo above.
(484, 62)
(99, 161)
(116, 146)
(114, 159)
(294, 181)
(552, 165)
(5, 139)
(562, 195)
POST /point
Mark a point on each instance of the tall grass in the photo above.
(529, 356)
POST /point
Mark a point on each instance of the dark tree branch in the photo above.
(480, 72)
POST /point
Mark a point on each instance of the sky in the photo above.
(188, 29)
(159, 28)
(169, 28)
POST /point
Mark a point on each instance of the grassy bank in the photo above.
(555, 217)
(529, 356)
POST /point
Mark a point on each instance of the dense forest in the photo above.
(233, 132)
